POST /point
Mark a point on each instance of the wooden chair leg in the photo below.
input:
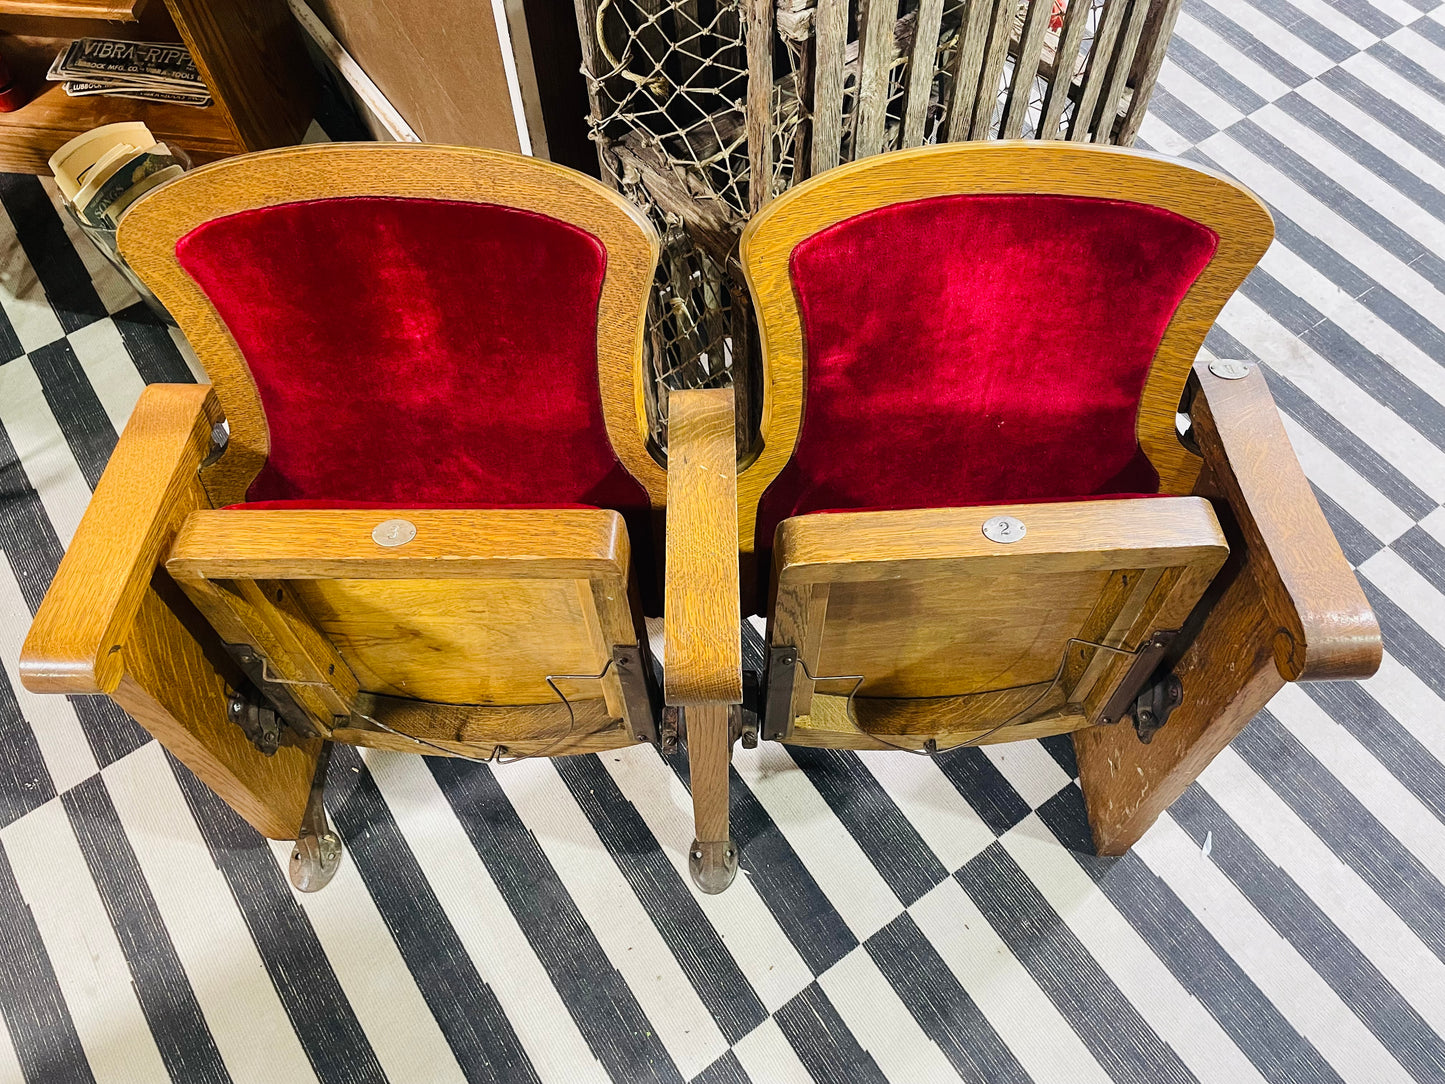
(713, 859)
(1229, 674)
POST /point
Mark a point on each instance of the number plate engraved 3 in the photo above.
(394, 532)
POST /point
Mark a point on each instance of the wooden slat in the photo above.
(999, 34)
(921, 62)
(1106, 113)
(1148, 60)
(277, 544)
(967, 65)
(760, 105)
(907, 724)
(1076, 20)
(1026, 66)
(1100, 54)
(475, 730)
(875, 52)
(830, 30)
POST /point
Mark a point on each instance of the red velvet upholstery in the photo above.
(980, 348)
(419, 353)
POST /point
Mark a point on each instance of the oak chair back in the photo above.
(260, 190)
(1231, 224)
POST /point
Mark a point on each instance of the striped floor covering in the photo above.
(899, 919)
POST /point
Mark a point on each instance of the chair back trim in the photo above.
(150, 230)
(1241, 222)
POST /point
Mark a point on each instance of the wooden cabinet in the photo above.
(248, 51)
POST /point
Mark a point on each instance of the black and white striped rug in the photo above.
(898, 919)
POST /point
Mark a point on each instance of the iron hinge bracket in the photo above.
(265, 694)
(1150, 690)
(640, 695)
(778, 692)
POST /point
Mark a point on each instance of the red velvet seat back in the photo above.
(968, 349)
(418, 352)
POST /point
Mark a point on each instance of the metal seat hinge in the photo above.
(778, 692)
(1155, 704)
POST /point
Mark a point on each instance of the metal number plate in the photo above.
(1229, 369)
(394, 532)
(1004, 529)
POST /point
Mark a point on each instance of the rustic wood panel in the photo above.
(875, 53)
(1026, 66)
(1066, 55)
(1100, 53)
(921, 58)
(759, 33)
(1148, 61)
(830, 23)
(999, 34)
(968, 65)
(1106, 114)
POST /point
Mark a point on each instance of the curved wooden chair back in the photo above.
(1109, 177)
(293, 177)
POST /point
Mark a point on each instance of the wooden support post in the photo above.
(830, 30)
(760, 103)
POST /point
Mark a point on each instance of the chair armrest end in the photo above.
(75, 642)
(702, 604)
(1327, 630)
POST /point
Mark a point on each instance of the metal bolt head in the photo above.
(1004, 529)
(1229, 368)
(394, 532)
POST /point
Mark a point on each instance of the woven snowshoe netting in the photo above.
(691, 98)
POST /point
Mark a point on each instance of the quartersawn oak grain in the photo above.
(703, 662)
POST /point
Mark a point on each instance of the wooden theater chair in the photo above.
(995, 495)
(415, 509)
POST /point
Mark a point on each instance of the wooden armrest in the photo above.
(703, 658)
(74, 643)
(1330, 632)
